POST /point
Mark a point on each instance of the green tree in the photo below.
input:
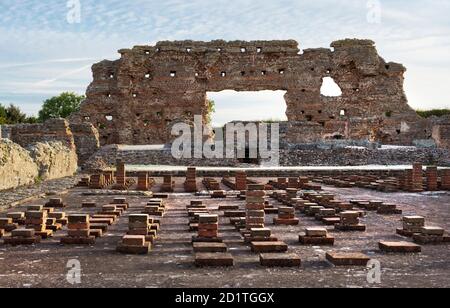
(211, 109)
(60, 106)
(12, 115)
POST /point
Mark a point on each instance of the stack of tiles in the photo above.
(303, 182)
(350, 222)
(55, 203)
(327, 214)
(155, 207)
(219, 194)
(139, 237)
(413, 179)
(120, 175)
(168, 184)
(191, 180)
(97, 181)
(88, 205)
(36, 219)
(282, 183)
(195, 209)
(22, 237)
(388, 208)
(259, 235)
(255, 204)
(60, 217)
(142, 183)
(241, 180)
(293, 183)
(84, 182)
(52, 223)
(411, 225)
(208, 229)
(109, 177)
(286, 216)
(121, 203)
(347, 258)
(291, 193)
(141, 224)
(430, 235)
(111, 209)
(134, 244)
(78, 231)
(432, 178)
(7, 224)
(211, 184)
(445, 179)
(316, 236)
(17, 217)
(399, 247)
(313, 210)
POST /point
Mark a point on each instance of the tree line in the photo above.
(60, 106)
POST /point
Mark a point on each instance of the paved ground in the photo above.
(12, 196)
(170, 264)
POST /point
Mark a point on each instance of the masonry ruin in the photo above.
(136, 99)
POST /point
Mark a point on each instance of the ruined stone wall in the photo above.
(54, 130)
(137, 99)
(54, 159)
(39, 161)
(86, 140)
(16, 166)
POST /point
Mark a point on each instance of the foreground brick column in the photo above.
(241, 180)
(255, 203)
(445, 179)
(120, 174)
(142, 181)
(432, 178)
(191, 180)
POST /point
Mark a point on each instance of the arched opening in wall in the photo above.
(246, 106)
(255, 106)
(330, 88)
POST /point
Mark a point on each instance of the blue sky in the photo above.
(42, 54)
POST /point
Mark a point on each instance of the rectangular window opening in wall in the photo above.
(263, 73)
(111, 76)
(173, 74)
(134, 95)
(223, 74)
(242, 73)
(147, 52)
(342, 112)
(147, 76)
(188, 49)
(109, 118)
(259, 49)
(253, 106)
(281, 71)
(243, 49)
(309, 118)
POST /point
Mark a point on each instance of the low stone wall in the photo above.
(50, 131)
(86, 140)
(39, 161)
(16, 166)
(108, 155)
(54, 160)
(364, 156)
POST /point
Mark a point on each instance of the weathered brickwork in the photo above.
(137, 99)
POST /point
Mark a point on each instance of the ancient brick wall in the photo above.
(137, 99)
(86, 140)
(50, 131)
